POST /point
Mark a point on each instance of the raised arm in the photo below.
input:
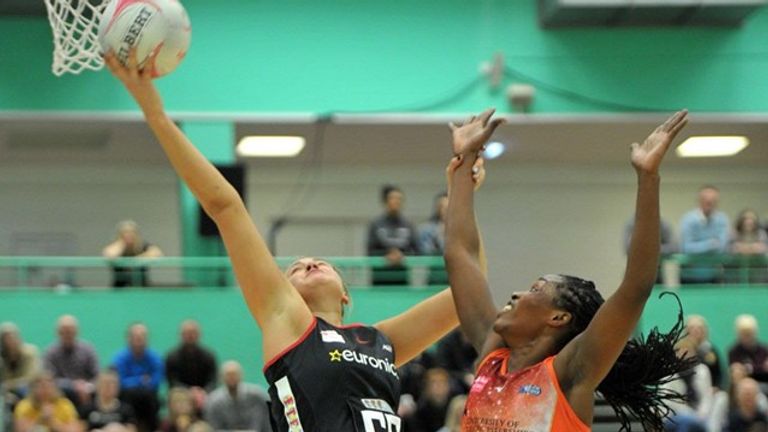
(273, 301)
(416, 329)
(588, 358)
(468, 281)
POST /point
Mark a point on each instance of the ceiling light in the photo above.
(709, 146)
(270, 146)
(493, 150)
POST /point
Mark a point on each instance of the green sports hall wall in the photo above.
(311, 56)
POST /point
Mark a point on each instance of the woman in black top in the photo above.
(323, 376)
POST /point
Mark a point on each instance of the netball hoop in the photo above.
(75, 35)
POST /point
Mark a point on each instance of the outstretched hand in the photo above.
(647, 157)
(137, 80)
(471, 136)
(478, 171)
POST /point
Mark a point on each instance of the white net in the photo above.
(75, 34)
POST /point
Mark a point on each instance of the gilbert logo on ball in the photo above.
(154, 27)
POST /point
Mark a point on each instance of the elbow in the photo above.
(220, 203)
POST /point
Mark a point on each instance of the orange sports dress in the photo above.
(528, 400)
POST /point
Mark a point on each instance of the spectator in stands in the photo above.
(456, 355)
(190, 364)
(45, 409)
(749, 238)
(393, 237)
(455, 412)
(432, 239)
(140, 370)
(19, 363)
(182, 416)
(433, 403)
(668, 244)
(698, 333)
(725, 401)
(748, 350)
(237, 405)
(106, 413)
(72, 362)
(692, 414)
(129, 243)
(704, 230)
(746, 416)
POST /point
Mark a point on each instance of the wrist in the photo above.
(648, 175)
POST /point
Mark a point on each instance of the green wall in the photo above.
(310, 56)
(226, 323)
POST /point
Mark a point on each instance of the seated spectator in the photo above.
(190, 364)
(45, 409)
(130, 244)
(454, 414)
(182, 416)
(704, 230)
(19, 363)
(668, 244)
(692, 414)
(698, 333)
(393, 237)
(748, 350)
(725, 401)
(412, 381)
(72, 362)
(140, 370)
(746, 416)
(432, 239)
(106, 413)
(749, 239)
(456, 355)
(237, 405)
(432, 406)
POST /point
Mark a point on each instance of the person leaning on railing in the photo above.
(748, 237)
(129, 243)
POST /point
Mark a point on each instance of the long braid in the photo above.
(633, 386)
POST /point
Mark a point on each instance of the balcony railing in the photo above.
(67, 273)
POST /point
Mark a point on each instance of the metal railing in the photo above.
(67, 273)
(682, 269)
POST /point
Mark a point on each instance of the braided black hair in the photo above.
(634, 385)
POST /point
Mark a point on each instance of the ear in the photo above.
(560, 318)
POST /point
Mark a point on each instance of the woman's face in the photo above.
(107, 387)
(315, 278)
(527, 311)
(749, 223)
(44, 390)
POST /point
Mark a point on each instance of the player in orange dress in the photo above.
(551, 347)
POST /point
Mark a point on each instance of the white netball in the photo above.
(154, 27)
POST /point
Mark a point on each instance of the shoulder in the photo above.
(52, 350)
(29, 350)
(24, 408)
(154, 355)
(493, 357)
(256, 391)
(121, 356)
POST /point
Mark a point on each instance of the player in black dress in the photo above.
(323, 376)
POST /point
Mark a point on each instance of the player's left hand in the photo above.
(647, 157)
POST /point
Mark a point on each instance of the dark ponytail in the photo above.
(634, 386)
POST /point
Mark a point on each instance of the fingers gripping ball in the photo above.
(156, 28)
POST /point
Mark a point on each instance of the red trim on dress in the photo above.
(353, 325)
(301, 339)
